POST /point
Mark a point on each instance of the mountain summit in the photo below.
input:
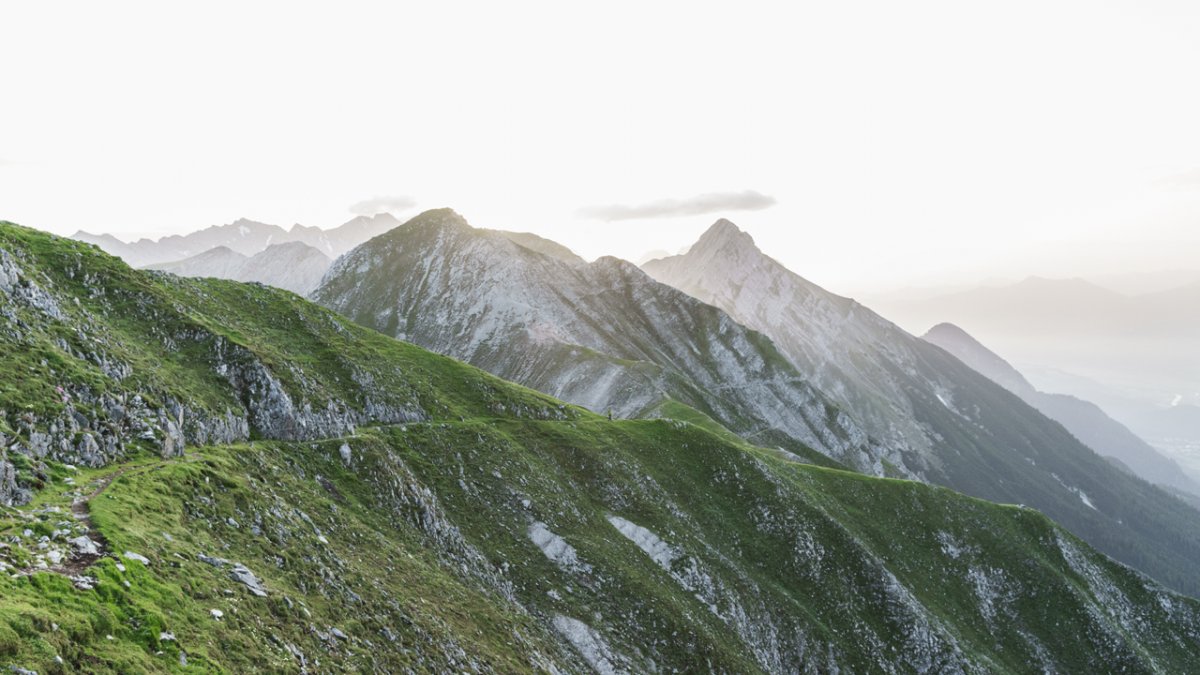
(971, 352)
(941, 421)
(833, 339)
(433, 219)
(723, 234)
(602, 335)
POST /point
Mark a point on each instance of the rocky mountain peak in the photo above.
(541, 245)
(438, 219)
(723, 234)
(246, 222)
(618, 268)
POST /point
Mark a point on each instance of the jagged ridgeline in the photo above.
(258, 484)
(942, 421)
(602, 335)
(824, 373)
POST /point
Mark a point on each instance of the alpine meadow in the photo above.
(631, 338)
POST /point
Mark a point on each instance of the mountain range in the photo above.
(842, 380)
(222, 476)
(950, 424)
(1129, 354)
(243, 236)
(1083, 419)
(602, 335)
(294, 266)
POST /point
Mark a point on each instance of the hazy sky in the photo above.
(863, 144)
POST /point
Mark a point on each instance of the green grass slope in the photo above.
(392, 510)
(97, 359)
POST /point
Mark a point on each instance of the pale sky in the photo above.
(881, 144)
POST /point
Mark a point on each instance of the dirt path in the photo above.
(79, 561)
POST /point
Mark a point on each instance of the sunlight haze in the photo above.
(924, 144)
(622, 337)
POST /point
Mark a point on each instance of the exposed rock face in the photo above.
(93, 431)
(242, 574)
(949, 424)
(602, 335)
(272, 412)
(858, 358)
(136, 557)
(92, 421)
(84, 545)
(23, 290)
(9, 492)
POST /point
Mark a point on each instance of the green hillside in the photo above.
(269, 487)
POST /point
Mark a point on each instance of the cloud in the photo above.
(712, 202)
(369, 207)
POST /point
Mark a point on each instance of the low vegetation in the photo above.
(390, 509)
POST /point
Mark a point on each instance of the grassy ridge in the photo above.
(417, 549)
(503, 532)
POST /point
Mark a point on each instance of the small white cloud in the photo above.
(712, 202)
